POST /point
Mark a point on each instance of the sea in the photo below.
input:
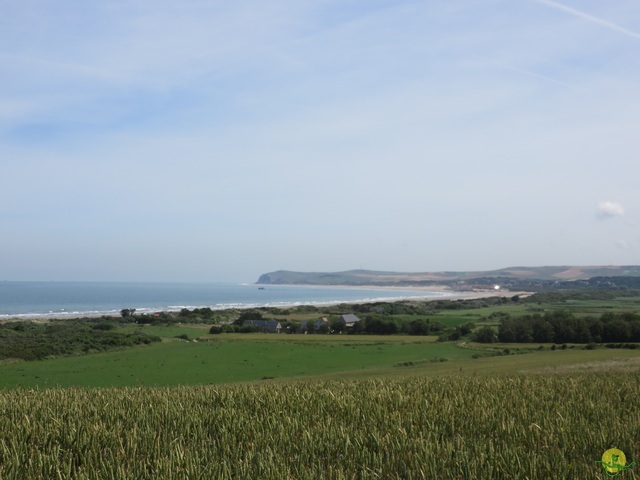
(77, 299)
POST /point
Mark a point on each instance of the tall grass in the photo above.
(534, 427)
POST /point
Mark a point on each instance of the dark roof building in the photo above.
(264, 325)
(349, 319)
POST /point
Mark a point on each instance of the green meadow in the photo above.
(226, 359)
(231, 358)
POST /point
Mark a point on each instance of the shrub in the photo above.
(485, 335)
(229, 329)
(104, 326)
(69, 337)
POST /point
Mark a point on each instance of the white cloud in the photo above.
(610, 209)
(622, 244)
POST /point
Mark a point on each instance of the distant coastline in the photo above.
(283, 289)
(445, 294)
(49, 300)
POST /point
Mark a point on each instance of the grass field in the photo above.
(227, 358)
(579, 307)
(169, 331)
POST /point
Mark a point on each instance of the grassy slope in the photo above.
(231, 359)
(242, 358)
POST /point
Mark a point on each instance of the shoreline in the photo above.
(441, 292)
(447, 292)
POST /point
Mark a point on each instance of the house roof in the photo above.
(349, 319)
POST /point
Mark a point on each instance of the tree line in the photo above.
(564, 327)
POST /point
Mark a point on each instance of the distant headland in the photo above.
(513, 277)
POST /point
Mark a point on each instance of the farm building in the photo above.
(264, 325)
(349, 320)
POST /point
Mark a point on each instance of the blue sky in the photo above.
(218, 140)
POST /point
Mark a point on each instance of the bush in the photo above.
(104, 326)
(485, 335)
(70, 337)
(229, 329)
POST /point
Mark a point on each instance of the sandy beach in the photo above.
(442, 292)
(447, 292)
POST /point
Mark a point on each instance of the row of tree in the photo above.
(564, 327)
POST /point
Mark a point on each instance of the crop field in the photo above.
(458, 427)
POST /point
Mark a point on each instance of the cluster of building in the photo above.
(348, 321)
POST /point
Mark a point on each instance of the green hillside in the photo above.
(370, 277)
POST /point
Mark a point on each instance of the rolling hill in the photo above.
(517, 274)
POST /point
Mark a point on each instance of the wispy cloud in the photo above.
(610, 209)
(590, 18)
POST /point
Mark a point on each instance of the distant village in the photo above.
(321, 325)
